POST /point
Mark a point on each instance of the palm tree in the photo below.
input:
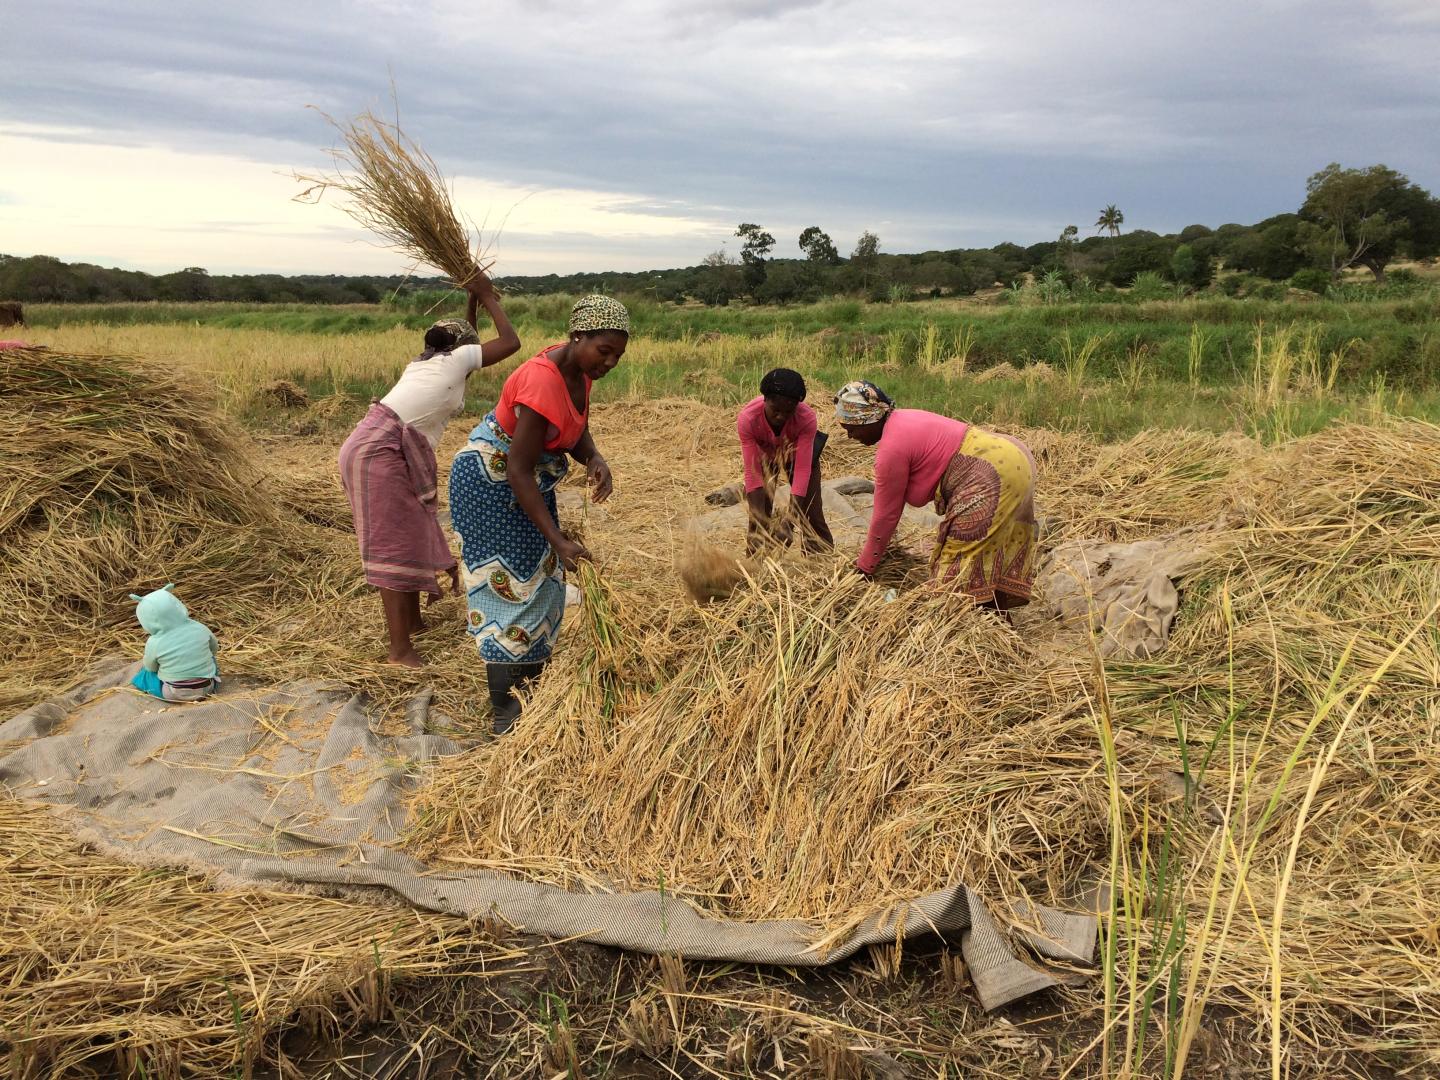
(1110, 220)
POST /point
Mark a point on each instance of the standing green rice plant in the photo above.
(964, 344)
(1273, 364)
(894, 347)
(1149, 944)
(930, 347)
(1075, 361)
(1144, 928)
(1243, 827)
(781, 341)
(1337, 360)
(1124, 905)
(1151, 889)
(1427, 353)
(560, 1052)
(1195, 354)
(1375, 400)
(1361, 691)
(1317, 374)
(1307, 360)
(958, 355)
(1135, 367)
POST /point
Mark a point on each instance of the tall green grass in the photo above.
(1177, 899)
(1284, 382)
(1204, 340)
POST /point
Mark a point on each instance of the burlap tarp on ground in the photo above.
(1126, 594)
(297, 786)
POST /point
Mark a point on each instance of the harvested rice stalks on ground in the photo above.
(709, 572)
(115, 478)
(809, 750)
(804, 748)
(787, 726)
(112, 969)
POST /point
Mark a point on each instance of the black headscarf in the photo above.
(782, 382)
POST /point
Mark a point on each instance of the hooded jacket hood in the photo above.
(160, 610)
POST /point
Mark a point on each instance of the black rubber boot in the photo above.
(503, 681)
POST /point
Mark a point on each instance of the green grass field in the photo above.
(1269, 368)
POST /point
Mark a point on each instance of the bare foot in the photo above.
(411, 659)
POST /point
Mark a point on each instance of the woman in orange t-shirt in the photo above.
(502, 499)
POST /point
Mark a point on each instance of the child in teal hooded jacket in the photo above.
(179, 661)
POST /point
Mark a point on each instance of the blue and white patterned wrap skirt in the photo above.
(514, 583)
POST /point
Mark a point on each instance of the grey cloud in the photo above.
(996, 124)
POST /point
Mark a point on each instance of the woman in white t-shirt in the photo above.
(387, 466)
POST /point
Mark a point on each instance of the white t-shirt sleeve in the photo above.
(468, 358)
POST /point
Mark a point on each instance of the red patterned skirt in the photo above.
(388, 470)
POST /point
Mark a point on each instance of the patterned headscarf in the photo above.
(447, 335)
(862, 402)
(592, 313)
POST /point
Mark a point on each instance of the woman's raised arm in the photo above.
(506, 342)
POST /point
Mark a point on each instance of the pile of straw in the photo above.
(779, 755)
(113, 969)
(1307, 665)
(806, 749)
(115, 477)
(394, 189)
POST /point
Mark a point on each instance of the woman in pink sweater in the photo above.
(982, 484)
(778, 434)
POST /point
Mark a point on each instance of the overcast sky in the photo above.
(628, 135)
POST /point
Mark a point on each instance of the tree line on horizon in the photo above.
(1350, 217)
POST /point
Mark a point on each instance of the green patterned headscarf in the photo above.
(447, 335)
(592, 313)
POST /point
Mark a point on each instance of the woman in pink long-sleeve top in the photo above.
(982, 484)
(778, 433)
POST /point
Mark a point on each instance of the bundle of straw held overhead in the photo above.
(391, 187)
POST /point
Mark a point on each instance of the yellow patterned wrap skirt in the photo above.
(985, 545)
